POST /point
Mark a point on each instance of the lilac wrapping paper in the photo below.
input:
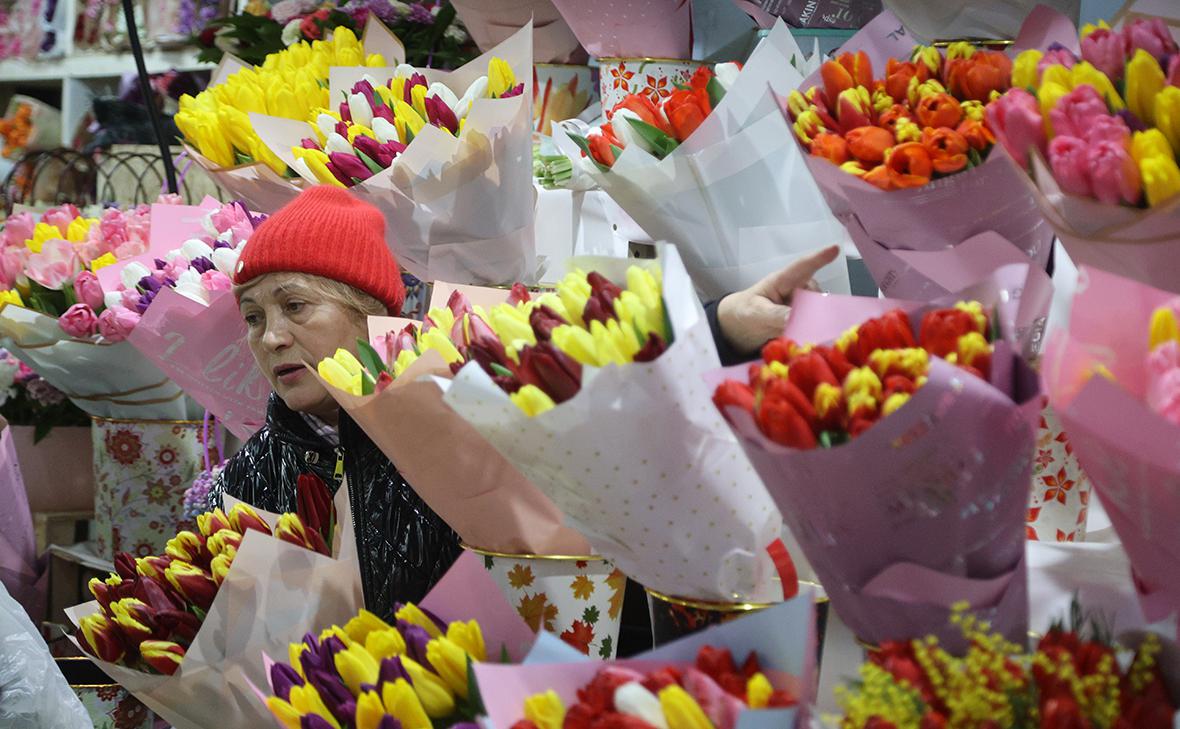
(947, 211)
(631, 28)
(19, 571)
(1127, 449)
(927, 507)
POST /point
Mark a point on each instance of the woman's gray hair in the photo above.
(350, 298)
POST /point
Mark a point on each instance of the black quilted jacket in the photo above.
(404, 547)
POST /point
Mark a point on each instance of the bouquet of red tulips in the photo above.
(177, 628)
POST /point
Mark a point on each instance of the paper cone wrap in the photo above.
(640, 462)
(491, 21)
(273, 593)
(1127, 449)
(927, 507)
(631, 28)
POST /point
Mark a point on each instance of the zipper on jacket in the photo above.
(338, 473)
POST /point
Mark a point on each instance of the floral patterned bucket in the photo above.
(1060, 498)
(560, 92)
(108, 704)
(655, 78)
(578, 598)
(141, 471)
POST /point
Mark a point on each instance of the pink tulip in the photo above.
(1106, 50)
(113, 228)
(61, 216)
(1150, 34)
(214, 280)
(87, 290)
(12, 264)
(54, 265)
(18, 229)
(1173, 71)
(169, 198)
(1074, 112)
(1163, 381)
(115, 324)
(1107, 128)
(130, 298)
(1056, 56)
(1114, 176)
(233, 218)
(79, 321)
(1069, 161)
(1016, 120)
(175, 267)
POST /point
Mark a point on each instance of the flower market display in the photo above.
(1096, 124)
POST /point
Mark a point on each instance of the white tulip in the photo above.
(477, 90)
(225, 260)
(300, 167)
(358, 107)
(133, 273)
(292, 32)
(189, 286)
(405, 70)
(194, 248)
(385, 131)
(337, 143)
(326, 123)
(111, 299)
(444, 93)
(372, 81)
(726, 74)
(633, 699)
(627, 133)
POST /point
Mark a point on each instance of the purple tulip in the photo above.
(388, 722)
(342, 178)
(416, 640)
(313, 721)
(391, 670)
(201, 264)
(145, 300)
(334, 693)
(345, 112)
(384, 112)
(160, 263)
(149, 283)
(407, 93)
(1134, 123)
(282, 678)
(350, 165)
(440, 115)
(1069, 160)
(220, 244)
(516, 90)
(382, 154)
(309, 143)
(1106, 51)
(342, 129)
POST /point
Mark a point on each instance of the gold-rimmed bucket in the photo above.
(109, 705)
(655, 78)
(141, 470)
(576, 597)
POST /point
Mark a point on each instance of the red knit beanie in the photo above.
(326, 232)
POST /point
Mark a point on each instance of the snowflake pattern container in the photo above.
(1060, 499)
(141, 471)
(579, 598)
(655, 78)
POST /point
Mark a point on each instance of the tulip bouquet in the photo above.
(216, 126)
(177, 628)
(455, 470)
(920, 418)
(59, 320)
(900, 146)
(1077, 676)
(445, 155)
(613, 376)
(1099, 131)
(1122, 421)
(754, 672)
(714, 170)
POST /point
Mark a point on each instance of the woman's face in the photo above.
(289, 324)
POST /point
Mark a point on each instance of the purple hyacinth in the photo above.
(420, 14)
(196, 497)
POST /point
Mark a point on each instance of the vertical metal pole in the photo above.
(145, 88)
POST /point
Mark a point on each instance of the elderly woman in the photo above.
(306, 282)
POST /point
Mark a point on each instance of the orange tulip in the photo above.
(888, 119)
(646, 110)
(859, 66)
(977, 134)
(975, 78)
(700, 80)
(947, 149)
(831, 147)
(880, 176)
(868, 144)
(602, 145)
(940, 110)
(910, 164)
(836, 80)
(898, 75)
(685, 111)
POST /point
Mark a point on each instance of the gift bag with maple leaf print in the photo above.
(579, 599)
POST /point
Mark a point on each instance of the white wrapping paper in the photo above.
(273, 594)
(641, 462)
(103, 379)
(736, 197)
(456, 208)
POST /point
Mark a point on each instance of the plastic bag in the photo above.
(33, 692)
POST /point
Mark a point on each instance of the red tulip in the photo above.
(898, 75)
(243, 517)
(808, 371)
(651, 349)
(518, 294)
(441, 115)
(348, 165)
(785, 415)
(125, 565)
(314, 504)
(732, 393)
(779, 350)
(162, 655)
(292, 530)
(178, 625)
(484, 346)
(157, 594)
(977, 134)
(550, 369)
(101, 638)
(836, 360)
(891, 330)
(544, 320)
(195, 584)
(601, 304)
(853, 109)
(940, 110)
(686, 110)
(940, 330)
(603, 143)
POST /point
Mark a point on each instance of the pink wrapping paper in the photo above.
(927, 507)
(631, 28)
(203, 350)
(171, 225)
(18, 553)
(1128, 451)
(490, 22)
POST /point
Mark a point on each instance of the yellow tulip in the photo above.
(413, 615)
(774, 369)
(532, 400)
(554, 302)
(469, 637)
(1024, 69)
(928, 55)
(375, 60)
(335, 631)
(369, 710)
(511, 325)
(436, 698)
(317, 164)
(971, 347)
(1058, 74)
(365, 622)
(106, 259)
(1145, 79)
(645, 283)
(893, 402)
(283, 102)
(960, 49)
(405, 358)
(1161, 179)
(42, 232)
(382, 644)
(259, 152)
(912, 361)
(1163, 327)
(436, 339)
(545, 710)
(616, 345)
(401, 701)
(827, 397)
(1166, 112)
(1048, 96)
(306, 700)
(294, 653)
(930, 88)
(682, 711)
(356, 666)
(450, 663)
(337, 376)
(442, 317)
(574, 291)
(862, 380)
(577, 343)
(385, 94)
(500, 78)
(78, 228)
(1085, 73)
(284, 712)
(1089, 28)
(236, 126)
(11, 296)
(359, 130)
(418, 100)
(406, 114)
(1149, 143)
(758, 691)
(973, 110)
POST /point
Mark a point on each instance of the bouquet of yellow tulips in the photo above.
(289, 84)
(455, 470)
(445, 155)
(594, 392)
(177, 628)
